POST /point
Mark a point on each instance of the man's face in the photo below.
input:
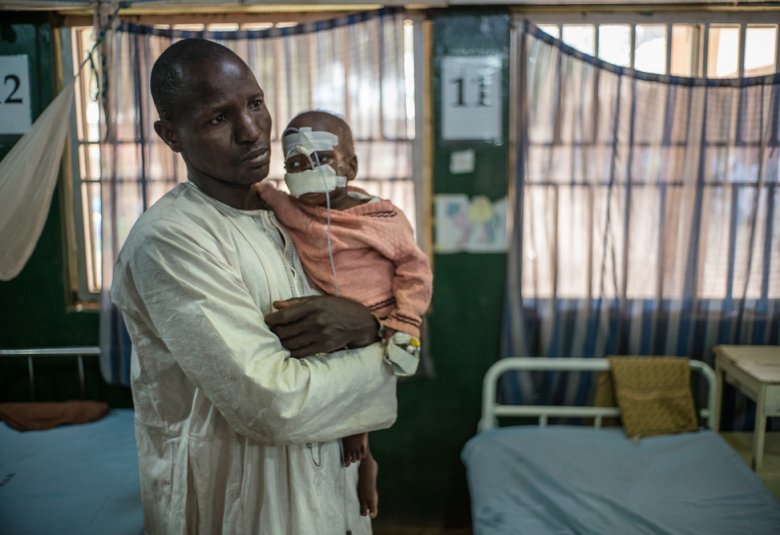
(222, 124)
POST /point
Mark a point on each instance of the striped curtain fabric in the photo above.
(645, 212)
(356, 66)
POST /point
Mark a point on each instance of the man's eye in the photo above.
(218, 119)
(256, 103)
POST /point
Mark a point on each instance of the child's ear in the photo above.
(352, 168)
(167, 133)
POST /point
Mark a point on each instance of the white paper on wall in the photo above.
(14, 95)
(471, 98)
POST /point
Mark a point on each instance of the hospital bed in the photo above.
(71, 479)
(590, 479)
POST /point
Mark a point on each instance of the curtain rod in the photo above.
(645, 8)
(212, 18)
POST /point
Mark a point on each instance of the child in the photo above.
(351, 244)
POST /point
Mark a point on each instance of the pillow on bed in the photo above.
(45, 415)
(654, 395)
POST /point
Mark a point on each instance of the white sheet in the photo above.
(579, 480)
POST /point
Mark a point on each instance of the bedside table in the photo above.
(754, 371)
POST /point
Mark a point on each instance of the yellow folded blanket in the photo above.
(654, 395)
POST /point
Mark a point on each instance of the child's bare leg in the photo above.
(367, 493)
(355, 448)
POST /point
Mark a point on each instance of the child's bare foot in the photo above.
(355, 448)
(367, 494)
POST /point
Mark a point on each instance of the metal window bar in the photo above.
(659, 281)
(771, 190)
(641, 144)
(590, 269)
(742, 51)
(31, 354)
(379, 60)
(698, 68)
(556, 234)
(700, 21)
(701, 68)
(347, 59)
(742, 104)
(767, 188)
(623, 291)
(81, 38)
(674, 183)
(777, 48)
(311, 56)
(82, 265)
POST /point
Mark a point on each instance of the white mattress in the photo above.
(579, 480)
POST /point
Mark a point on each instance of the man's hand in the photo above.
(321, 324)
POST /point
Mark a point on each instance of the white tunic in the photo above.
(234, 436)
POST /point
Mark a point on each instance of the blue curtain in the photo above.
(645, 215)
(355, 66)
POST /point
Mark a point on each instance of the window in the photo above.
(681, 44)
(84, 222)
(564, 207)
(342, 73)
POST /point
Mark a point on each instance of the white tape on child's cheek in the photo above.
(319, 178)
(322, 179)
(305, 141)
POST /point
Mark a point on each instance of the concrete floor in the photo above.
(770, 469)
(392, 527)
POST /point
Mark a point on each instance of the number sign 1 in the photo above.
(14, 95)
(471, 98)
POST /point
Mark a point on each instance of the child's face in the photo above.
(337, 157)
(299, 162)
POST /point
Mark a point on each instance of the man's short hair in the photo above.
(168, 70)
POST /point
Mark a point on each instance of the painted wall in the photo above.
(421, 475)
(33, 305)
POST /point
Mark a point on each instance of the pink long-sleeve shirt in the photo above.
(378, 262)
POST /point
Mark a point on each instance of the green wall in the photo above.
(33, 311)
(421, 475)
(33, 304)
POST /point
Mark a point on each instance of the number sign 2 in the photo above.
(14, 95)
(471, 98)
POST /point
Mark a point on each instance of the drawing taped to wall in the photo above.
(472, 225)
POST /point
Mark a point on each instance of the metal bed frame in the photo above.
(31, 354)
(491, 409)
